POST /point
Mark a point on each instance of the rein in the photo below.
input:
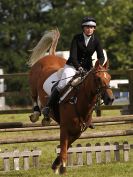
(62, 79)
(81, 75)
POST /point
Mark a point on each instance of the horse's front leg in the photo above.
(88, 120)
(56, 164)
(63, 153)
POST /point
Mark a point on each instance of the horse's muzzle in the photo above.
(108, 100)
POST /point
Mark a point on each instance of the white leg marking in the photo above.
(64, 164)
(35, 104)
(56, 171)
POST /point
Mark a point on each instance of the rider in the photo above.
(82, 48)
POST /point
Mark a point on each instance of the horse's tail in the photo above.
(48, 42)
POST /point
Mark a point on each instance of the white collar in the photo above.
(87, 39)
(85, 36)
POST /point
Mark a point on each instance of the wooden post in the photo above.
(35, 159)
(130, 77)
(6, 162)
(98, 153)
(107, 152)
(70, 158)
(16, 160)
(26, 160)
(126, 148)
(89, 155)
(117, 152)
(79, 156)
(98, 108)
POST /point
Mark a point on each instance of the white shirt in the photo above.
(86, 38)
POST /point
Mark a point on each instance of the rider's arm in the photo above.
(99, 51)
(73, 54)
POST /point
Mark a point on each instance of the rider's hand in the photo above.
(80, 70)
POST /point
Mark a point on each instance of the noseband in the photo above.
(100, 89)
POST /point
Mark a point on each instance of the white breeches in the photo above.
(68, 73)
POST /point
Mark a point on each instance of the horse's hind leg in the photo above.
(43, 100)
(36, 108)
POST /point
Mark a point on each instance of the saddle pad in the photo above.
(51, 80)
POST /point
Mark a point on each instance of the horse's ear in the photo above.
(106, 65)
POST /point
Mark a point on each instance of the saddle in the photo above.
(54, 79)
(74, 82)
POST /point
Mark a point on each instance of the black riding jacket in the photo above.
(81, 55)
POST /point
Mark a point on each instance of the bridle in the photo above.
(100, 88)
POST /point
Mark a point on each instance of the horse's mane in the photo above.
(48, 42)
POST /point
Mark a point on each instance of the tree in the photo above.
(117, 32)
(24, 22)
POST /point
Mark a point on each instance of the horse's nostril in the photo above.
(108, 100)
(112, 100)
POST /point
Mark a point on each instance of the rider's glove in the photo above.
(80, 70)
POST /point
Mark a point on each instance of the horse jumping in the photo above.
(74, 112)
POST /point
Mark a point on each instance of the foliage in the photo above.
(117, 32)
(22, 23)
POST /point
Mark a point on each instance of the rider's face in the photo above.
(88, 30)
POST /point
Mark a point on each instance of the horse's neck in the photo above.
(90, 86)
(86, 95)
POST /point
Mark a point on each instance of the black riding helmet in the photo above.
(88, 21)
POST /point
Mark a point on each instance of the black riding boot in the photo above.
(54, 97)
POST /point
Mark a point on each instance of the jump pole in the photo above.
(56, 137)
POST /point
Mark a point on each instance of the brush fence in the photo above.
(16, 156)
(78, 156)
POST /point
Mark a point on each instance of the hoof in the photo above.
(46, 122)
(56, 171)
(62, 170)
(91, 126)
(34, 117)
(55, 165)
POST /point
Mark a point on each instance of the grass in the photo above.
(113, 169)
(104, 170)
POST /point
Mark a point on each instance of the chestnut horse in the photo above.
(74, 113)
